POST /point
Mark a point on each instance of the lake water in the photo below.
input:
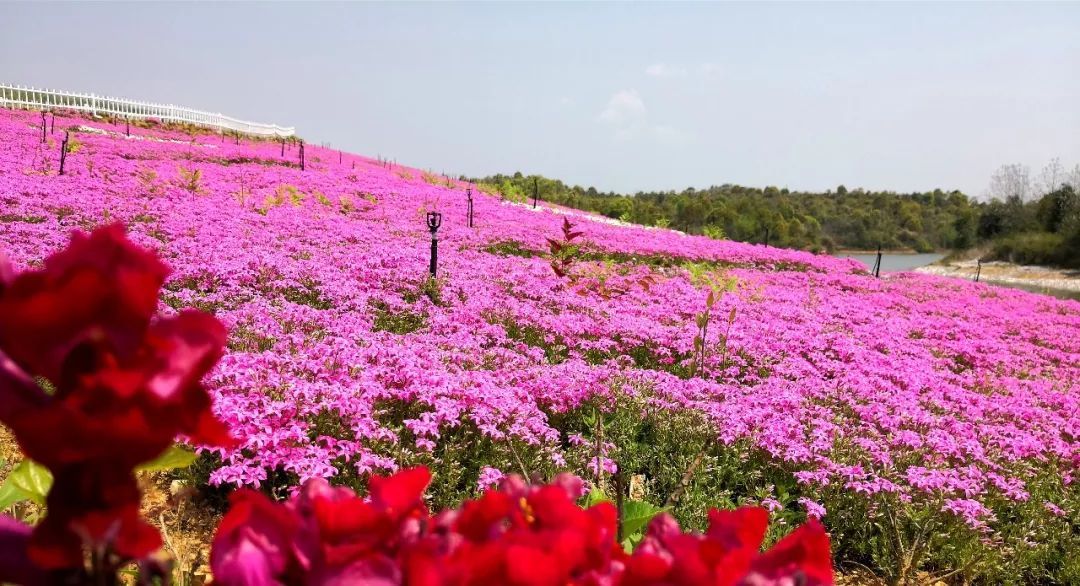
(895, 262)
(907, 262)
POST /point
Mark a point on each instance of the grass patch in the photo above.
(397, 322)
(16, 218)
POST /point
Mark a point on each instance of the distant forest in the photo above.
(1023, 220)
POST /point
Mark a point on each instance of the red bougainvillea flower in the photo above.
(532, 535)
(728, 553)
(329, 535)
(100, 288)
(254, 542)
(803, 553)
(517, 535)
(15, 568)
(124, 383)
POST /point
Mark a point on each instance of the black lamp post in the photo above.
(468, 192)
(434, 220)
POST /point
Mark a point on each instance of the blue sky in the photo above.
(905, 96)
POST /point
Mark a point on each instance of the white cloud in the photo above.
(628, 117)
(625, 108)
(665, 70)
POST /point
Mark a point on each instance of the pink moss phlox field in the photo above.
(913, 386)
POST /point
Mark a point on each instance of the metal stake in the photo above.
(63, 152)
(468, 192)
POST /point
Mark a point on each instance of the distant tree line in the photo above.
(1033, 222)
(852, 219)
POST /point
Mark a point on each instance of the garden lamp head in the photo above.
(434, 220)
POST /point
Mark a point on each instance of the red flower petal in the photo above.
(101, 289)
(401, 493)
(804, 551)
(744, 527)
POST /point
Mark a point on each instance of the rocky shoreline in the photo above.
(1004, 273)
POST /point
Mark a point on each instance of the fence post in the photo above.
(536, 191)
(877, 263)
(44, 126)
(978, 270)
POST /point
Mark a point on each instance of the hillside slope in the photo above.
(897, 407)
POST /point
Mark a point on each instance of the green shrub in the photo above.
(1033, 248)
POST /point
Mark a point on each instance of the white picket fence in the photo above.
(26, 97)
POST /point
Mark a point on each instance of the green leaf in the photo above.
(11, 494)
(171, 459)
(33, 479)
(631, 542)
(636, 516)
(594, 497)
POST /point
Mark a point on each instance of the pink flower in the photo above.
(813, 509)
(489, 477)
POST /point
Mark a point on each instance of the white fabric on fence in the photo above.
(25, 97)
